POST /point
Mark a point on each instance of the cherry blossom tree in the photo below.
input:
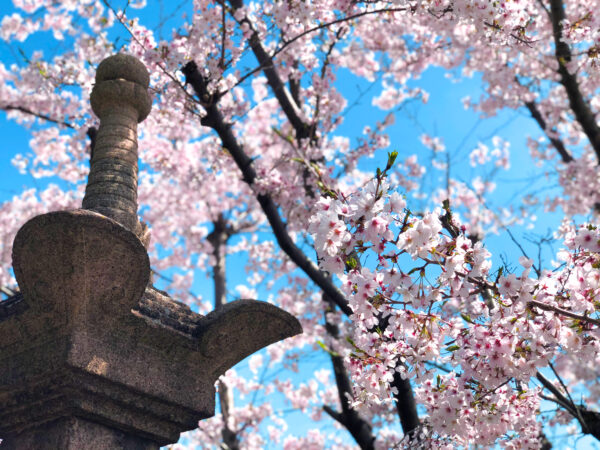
(429, 340)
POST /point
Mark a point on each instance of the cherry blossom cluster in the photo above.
(495, 332)
(460, 414)
(425, 297)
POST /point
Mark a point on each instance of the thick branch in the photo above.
(214, 119)
(404, 396)
(545, 444)
(583, 113)
(556, 142)
(560, 398)
(360, 429)
(285, 99)
(589, 420)
(230, 437)
(405, 404)
(218, 239)
(295, 89)
(92, 132)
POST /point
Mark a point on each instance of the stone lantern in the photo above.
(92, 356)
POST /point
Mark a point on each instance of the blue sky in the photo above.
(442, 116)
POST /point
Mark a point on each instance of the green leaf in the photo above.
(446, 205)
(316, 168)
(327, 349)
(391, 159)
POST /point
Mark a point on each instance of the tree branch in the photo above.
(589, 420)
(560, 398)
(230, 437)
(564, 312)
(285, 99)
(218, 239)
(360, 429)
(92, 132)
(404, 396)
(336, 21)
(556, 142)
(214, 119)
(334, 415)
(406, 405)
(583, 113)
(38, 115)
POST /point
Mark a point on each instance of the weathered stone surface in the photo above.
(94, 340)
(120, 99)
(74, 433)
(91, 355)
(158, 308)
(123, 66)
(237, 329)
(80, 256)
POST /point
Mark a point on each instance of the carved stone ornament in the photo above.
(92, 356)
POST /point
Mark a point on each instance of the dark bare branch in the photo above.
(404, 395)
(406, 404)
(563, 312)
(589, 420)
(214, 119)
(38, 115)
(359, 428)
(287, 103)
(556, 142)
(580, 107)
(218, 239)
(559, 397)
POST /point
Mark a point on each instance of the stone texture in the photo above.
(75, 433)
(92, 356)
(120, 99)
(123, 66)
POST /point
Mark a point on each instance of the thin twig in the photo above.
(133, 36)
(562, 383)
(38, 115)
(517, 243)
(564, 312)
(334, 22)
